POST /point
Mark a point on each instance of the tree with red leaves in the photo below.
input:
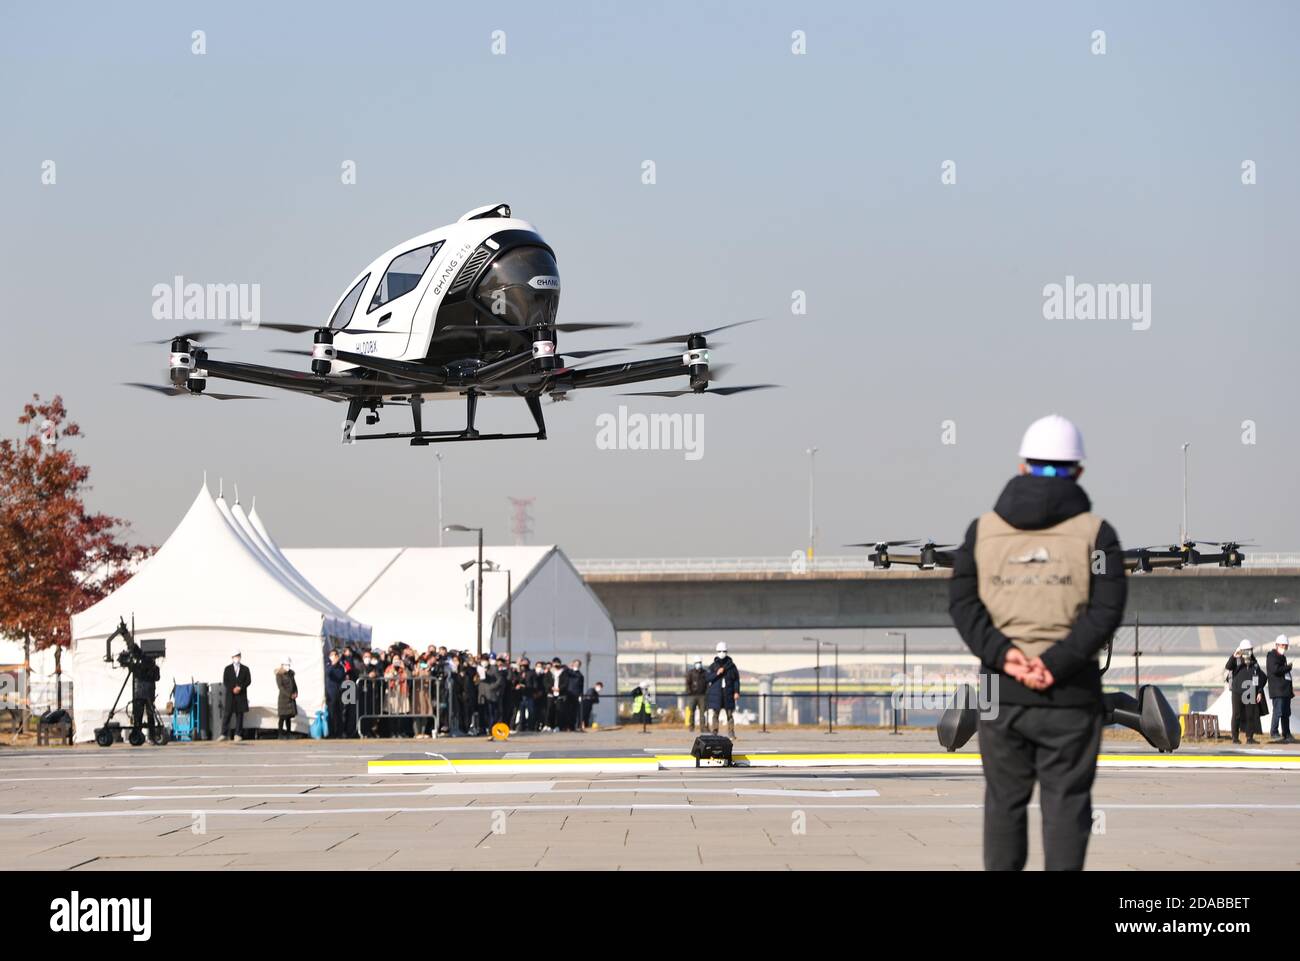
(56, 558)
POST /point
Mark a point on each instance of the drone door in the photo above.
(391, 305)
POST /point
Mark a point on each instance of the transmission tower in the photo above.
(521, 524)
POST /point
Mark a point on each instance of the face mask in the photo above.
(235, 662)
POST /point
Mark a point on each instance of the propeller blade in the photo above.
(197, 336)
(593, 353)
(285, 328)
(309, 328)
(723, 391)
(173, 391)
(728, 391)
(576, 328)
(481, 329)
(677, 338)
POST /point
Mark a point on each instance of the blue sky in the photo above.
(775, 173)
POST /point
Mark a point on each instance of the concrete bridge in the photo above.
(752, 594)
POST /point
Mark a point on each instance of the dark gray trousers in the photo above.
(1055, 747)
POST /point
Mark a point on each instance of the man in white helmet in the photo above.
(724, 689)
(1038, 588)
(1280, 691)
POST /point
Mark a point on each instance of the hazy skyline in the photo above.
(776, 172)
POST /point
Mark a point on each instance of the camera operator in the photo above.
(143, 678)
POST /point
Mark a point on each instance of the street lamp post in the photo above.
(494, 568)
(903, 635)
(478, 601)
(836, 702)
(812, 505)
(438, 458)
(1183, 537)
(817, 675)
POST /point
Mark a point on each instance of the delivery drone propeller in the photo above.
(173, 391)
(929, 555)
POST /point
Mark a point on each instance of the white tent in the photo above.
(218, 585)
(424, 595)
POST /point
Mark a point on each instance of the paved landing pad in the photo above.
(317, 805)
(615, 761)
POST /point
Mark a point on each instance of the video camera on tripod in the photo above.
(140, 661)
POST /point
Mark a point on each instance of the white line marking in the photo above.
(261, 812)
(522, 787)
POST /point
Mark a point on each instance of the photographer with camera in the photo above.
(1247, 682)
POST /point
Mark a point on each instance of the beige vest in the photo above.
(1034, 584)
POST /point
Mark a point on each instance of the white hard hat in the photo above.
(722, 647)
(1052, 438)
(1245, 645)
(1282, 640)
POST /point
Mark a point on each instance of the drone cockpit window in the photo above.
(348, 305)
(403, 274)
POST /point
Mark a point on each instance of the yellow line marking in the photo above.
(965, 757)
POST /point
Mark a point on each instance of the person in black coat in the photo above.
(235, 679)
(1247, 683)
(1280, 691)
(589, 702)
(574, 683)
(335, 675)
(1037, 590)
(724, 689)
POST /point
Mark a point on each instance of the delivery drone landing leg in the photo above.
(471, 407)
(420, 437)
(534, 403)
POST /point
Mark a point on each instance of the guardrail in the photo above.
(719, 565)
(795, 565)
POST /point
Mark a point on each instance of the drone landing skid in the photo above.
(420, 437)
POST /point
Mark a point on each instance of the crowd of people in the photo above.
(404, 692)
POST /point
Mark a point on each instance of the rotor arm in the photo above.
(629, 373)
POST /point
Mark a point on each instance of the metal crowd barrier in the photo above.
(388, 706)
(890, 712)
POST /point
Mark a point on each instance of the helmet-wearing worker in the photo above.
(1038, 589)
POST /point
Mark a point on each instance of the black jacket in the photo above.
(1278, 669)
(229, 679)
(697, 681)
(573, 683)
(1245, 673)
(724, 688)
(1033, 503)
(144, 679)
